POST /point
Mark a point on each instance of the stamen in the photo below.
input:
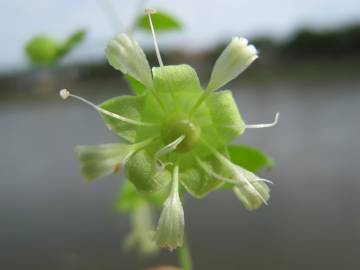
(214, 174)
(150, 11)
(266, 125)
(222, 178)
(237, 170)
(167, 149)
(64, 93)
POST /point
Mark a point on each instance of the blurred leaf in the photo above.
(162, 22)
(72, 41)
(42, 50)
(129, 198)
(141, 234)
(250, 158)
(135, 85)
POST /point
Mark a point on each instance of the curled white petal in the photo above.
(235, 58)
(170, 229)
(125, 54)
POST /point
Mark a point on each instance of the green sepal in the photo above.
(199, 183)
(162, 22)
(137, 87)
(178, 87)
(176, 78)
(101, 160)
(249, 158)
(127, 106)
(227, 121)
(142, 171)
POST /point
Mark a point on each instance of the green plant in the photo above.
(178, 140)
(45, 50)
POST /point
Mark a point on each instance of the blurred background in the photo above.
(308, 70)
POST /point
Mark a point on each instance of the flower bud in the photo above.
(235, 58)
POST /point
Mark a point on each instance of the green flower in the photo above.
(176, 133)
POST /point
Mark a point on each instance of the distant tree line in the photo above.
(343, 42)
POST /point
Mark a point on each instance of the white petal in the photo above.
(235, 58)
(170, 230)
(125, 54)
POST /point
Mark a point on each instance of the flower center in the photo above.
(178, 126)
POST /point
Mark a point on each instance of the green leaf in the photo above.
(127, 106)
(42, 50)
(227, 121)
(140, 237)
(129, 198)
(135, 85)
(162, 21)
(73, 40)
(250, 158)
(101, 160)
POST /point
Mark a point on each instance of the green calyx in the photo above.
(177, 126)
(179, 89)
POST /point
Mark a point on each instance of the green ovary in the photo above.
(178, 126)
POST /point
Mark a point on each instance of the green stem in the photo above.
(185, 256)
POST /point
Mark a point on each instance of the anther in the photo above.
(150, 10)
(64, 93)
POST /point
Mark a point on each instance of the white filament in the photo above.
(64, 93)
(168, 149)
(150, 11)
(265, 125)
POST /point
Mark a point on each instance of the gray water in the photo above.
(51, 219)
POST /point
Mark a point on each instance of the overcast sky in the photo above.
(206, 22)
